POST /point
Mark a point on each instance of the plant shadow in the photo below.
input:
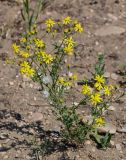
(51, 141)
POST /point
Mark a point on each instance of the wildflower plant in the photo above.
(46, 67)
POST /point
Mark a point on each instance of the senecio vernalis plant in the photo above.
(46, 68)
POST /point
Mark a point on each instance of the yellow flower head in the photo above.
(26, 69)
(61, 80)
(67, 84)
(107, 91)
(99, 121)
(39, 43)
(68, 49)
(86, 90)
(96, 98)
(98, 86)
(23, 40)
(24, 64)
(78, 28)
(69, 41)
(99, 79)
(16, 48)
(74, 77)
(50, 23)
(111, 86)
(24, 54)
(66, 30)
(67, 20)
(47, 58)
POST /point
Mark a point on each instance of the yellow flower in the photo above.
(28, 47)
(99, 79)
(16, 48)
(99, 121)
(66, 30)
(86, 89)
(67, 20)
(47, 58)
(107, 91)
(74, 77)
(111, 86)
(50, 23)
(78, 28)
(23, 40)
(67, 84)
(96, 98)
(69, 41)
(61, 80)
(24, 64)
(24, 54)
(98, 86)
(26, 69)
(39, 43)
(68, 49)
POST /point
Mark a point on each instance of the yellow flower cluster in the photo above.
(44, 57)
(23, 40)
(69, 45)
(100, 89)
(67, 23)
(26, 69)
(62, 81)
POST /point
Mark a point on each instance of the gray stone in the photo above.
(36, 116)
(113, 17)
(111, 108)
(106, 74)
(11, 83)
(114, 76)
(112, 143)
(118, 147)
(122, 130)
(107, 128)
(109, 30)
(87, 142)
(56, 129)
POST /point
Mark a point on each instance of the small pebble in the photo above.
(5, 157)
(112, 143)
(107, 128)
(122, 130)
(106, 74)
(114, 76)
(31, 85)
(11, 83)
(118, 147)
(111, 108)
(93, 149)
(88, 142)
